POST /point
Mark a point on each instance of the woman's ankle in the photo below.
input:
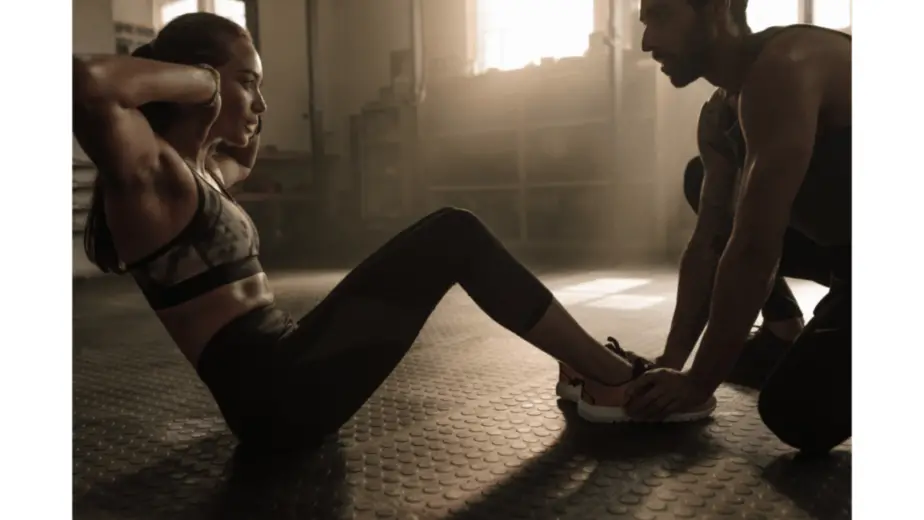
(614, 370)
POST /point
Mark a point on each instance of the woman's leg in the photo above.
(342, 351)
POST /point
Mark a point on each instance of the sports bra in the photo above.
(219, 246)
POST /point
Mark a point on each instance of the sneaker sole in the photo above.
(569, 392)
(612, 415)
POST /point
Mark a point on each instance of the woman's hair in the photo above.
(189, 39)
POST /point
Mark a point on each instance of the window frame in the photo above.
(251, 16)
(477, 59)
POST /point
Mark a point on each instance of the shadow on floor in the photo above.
(234, 484)
(593, 471)
(820, 486)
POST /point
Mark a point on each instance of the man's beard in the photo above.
(685, 73)
(692, 66)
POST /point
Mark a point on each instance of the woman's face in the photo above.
(242, 101)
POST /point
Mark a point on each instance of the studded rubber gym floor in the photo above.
(468, 427)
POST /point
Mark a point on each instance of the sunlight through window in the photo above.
(171, 10)
(768, 13)
(833, 14)
(583, 293)
(515, 33)
(627, 302)
(234, 10)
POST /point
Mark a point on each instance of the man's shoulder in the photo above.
(798, 50)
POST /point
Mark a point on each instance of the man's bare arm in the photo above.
(780, 106)
(713, 227)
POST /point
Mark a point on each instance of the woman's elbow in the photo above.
(87, 87)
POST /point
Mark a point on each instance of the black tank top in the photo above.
(822, 209)
(220, 245)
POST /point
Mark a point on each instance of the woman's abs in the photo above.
(193, 323)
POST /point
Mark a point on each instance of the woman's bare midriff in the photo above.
(194, 323)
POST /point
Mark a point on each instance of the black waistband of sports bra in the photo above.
(163, 298)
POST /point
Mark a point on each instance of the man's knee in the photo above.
(794, 421)
(773, 408)
(693, 181)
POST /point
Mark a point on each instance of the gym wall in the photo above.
(355, 39)
(283, 44)
(93, 32)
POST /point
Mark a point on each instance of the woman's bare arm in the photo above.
(235, 163)
(132, 82)
(106, 94)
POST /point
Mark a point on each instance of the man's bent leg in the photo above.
(807, 400)
(802, 259)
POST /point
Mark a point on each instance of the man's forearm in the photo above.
(694, 290)
(742, 283)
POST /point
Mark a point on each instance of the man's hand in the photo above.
(667, 361)
(661, 392)
(780, 105)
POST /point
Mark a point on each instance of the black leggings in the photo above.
(280, 382)
(806, 402)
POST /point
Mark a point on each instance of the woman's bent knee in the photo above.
(459, 222)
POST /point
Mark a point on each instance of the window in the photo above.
(512, 34)
(234, 10)
(833, 14)
(171, 10)
(768, 13)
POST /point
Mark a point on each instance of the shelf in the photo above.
(281, 197)
(499, 187)
(528, 126)
(566, 243)
(82, 164)
(569, 184)
(529, 186)
(368, 142)
(570, 122)
(79, 221)
(476, 131)
(500, 210)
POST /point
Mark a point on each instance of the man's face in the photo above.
(677, 36)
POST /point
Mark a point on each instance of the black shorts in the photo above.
(239, 362)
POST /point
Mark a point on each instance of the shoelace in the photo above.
(640, 365)
(613, 345)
